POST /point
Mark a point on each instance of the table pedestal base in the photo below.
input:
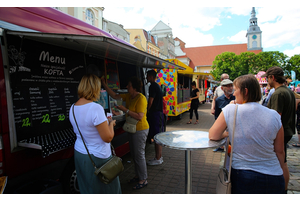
(188, 172)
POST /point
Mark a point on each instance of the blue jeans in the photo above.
(251, 182)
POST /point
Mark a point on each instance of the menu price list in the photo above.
(52, 142)
(42, 105)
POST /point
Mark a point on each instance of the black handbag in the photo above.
(223, 182)
(111, 169)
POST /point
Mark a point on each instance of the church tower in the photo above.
(253, 33)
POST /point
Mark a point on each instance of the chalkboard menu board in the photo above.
(44, 80)
(112, 75)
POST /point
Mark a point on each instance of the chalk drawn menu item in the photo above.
(70, 94)
(22, 108)
(39, 105)
(112, 75)
(57, 107)
(44, 80)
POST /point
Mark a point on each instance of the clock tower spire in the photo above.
(253, 33)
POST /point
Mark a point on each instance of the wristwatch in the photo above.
(127, 111)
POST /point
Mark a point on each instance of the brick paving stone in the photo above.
(169, 178)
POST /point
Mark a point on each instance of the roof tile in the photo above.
(204, 56)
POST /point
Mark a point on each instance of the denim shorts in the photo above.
(251, 182)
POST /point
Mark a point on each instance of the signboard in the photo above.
(44, 81)
(293, 75)
(261, 80)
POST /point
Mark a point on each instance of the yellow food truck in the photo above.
(177, 84)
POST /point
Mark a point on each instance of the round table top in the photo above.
(187, 140)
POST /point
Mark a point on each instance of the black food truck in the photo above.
(43, 55)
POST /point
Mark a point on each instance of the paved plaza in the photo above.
(169, 178)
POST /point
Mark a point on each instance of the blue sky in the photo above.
(206, 25)
(202, 23)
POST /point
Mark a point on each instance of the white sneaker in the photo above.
(155, 162)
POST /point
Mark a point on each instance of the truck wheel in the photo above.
(69, 179)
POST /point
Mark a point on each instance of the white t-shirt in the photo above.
(218, 92)
(88, 116)
(255, 131)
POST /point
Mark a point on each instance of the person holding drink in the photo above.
(136, 107)
(97, 132)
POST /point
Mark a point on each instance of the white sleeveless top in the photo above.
(256, 129)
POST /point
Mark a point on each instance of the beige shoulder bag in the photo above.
(223, 182)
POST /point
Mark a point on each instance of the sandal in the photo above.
(296, 145)
(196, 122)
(133, 180)
(189, 123)
(140, 185)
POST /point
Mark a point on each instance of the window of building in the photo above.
(104, 26)
(254, 44)
(89, 17)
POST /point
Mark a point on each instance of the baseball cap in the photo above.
(226, 82)
(273, 71)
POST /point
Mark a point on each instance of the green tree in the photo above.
(294, 64)
(265, 60)
(225, 62)
(250, 63)
(247, 61)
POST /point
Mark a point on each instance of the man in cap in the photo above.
(283, 101)
(224, 100)
(218, 92)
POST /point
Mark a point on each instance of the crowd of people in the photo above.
(259, 163)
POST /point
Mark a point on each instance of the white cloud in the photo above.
(240, 10)
(240, 37)
(279, 25)
(129, 19)
(192, 37)
(192, 24)
(187, 24)
(197, 17)
(291, 52)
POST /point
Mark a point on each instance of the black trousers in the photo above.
(194, 109)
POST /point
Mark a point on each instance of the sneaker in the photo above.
(155, 162)
(218, 149)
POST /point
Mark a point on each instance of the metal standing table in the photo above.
(188, 141)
